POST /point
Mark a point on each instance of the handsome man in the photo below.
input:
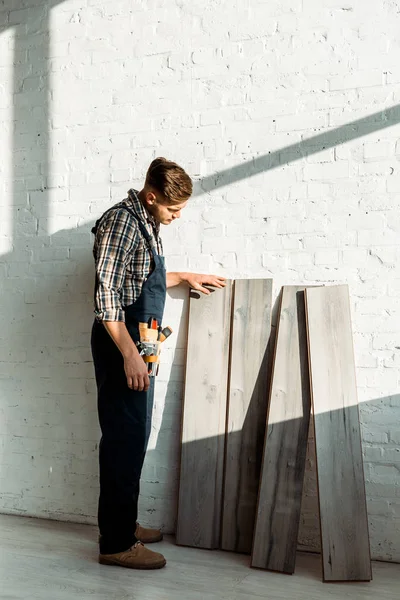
(131, 284)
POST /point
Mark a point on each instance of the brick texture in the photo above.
(277, 111)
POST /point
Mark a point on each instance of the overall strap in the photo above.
(147, 236)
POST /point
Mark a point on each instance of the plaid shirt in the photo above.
(122, 257)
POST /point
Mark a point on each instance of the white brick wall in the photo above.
(90, 92)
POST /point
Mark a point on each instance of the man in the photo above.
(131, 284)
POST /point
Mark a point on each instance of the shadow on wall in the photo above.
(49, 431)
(284, 156)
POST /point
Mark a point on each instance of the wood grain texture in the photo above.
(343, 513)
(278, 511)
(247, 409)
(204, 419)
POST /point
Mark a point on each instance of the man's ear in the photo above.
(150, 198)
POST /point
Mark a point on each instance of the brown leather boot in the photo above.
(148, 536)
(137, 557)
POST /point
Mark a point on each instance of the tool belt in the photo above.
(149, 346)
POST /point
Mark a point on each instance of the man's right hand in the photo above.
(136, 373)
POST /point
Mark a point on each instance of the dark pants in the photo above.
(125, 422)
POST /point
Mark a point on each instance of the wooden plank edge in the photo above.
(228, 389)
(266, 425)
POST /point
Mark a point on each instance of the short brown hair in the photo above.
(170, 180)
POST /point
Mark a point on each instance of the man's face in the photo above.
(162, 212)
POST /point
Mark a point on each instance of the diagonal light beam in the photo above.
(7, 41)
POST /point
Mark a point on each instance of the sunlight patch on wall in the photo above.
(6, 128)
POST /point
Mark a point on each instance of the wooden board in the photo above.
(247, 410)
(340, 476)
(204, 419)
(282, 474)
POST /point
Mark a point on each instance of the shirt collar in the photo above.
(140, 210)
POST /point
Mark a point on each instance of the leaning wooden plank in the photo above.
(204, 419)
(282, 474)
(340, 475)
(247, 409)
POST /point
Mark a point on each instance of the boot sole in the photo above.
(114, 563)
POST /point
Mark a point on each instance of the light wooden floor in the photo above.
(58, 561)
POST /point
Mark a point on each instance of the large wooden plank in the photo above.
(340, 476)
(204, 419)
(282, 474)
(247, 409)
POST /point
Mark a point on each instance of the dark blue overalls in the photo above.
(124, 414)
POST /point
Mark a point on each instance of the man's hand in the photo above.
(136, 373)
(197, 282)
(137, 377)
